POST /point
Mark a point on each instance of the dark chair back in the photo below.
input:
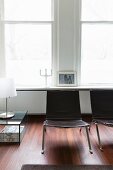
(63, 105)
(102, 104)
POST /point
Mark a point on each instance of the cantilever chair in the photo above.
(102, 109)
(63, 111)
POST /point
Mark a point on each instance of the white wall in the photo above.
(35, 102)
(85, 102)
(66, 35)
(32, 101)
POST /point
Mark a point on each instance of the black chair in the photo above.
(63, 111)
(102, 109)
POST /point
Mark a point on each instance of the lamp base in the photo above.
(6, 115)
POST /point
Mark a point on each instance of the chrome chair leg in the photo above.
(80, 129)
(100, 146)
(88, 128)
(43, 139)
(89, 143)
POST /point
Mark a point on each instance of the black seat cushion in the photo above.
(66, 123)
(104, 122)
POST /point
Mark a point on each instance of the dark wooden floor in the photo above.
(63, 146)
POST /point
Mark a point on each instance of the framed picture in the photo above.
(67, 79)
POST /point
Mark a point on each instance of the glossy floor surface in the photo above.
(62, 146)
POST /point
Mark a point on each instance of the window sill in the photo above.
(92, 87)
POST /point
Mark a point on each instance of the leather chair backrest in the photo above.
(63, 105)
(102, 103)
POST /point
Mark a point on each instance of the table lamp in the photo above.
(7, 90)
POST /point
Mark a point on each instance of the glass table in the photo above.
(13, 129)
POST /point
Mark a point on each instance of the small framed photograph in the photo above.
(67, 79)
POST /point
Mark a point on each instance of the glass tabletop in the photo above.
(15, 120)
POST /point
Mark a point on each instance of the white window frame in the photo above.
(53, 23)
(80, 36)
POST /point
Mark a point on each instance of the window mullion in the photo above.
(96, 22)
(27, 22)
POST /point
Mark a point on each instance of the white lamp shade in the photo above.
(7, 88)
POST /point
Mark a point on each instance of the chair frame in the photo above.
(103, 103)
(43, 138)
(47, 125)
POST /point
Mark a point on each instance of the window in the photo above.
(97, 42)
(28, 40)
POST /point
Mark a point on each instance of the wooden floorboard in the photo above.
(62, 146)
